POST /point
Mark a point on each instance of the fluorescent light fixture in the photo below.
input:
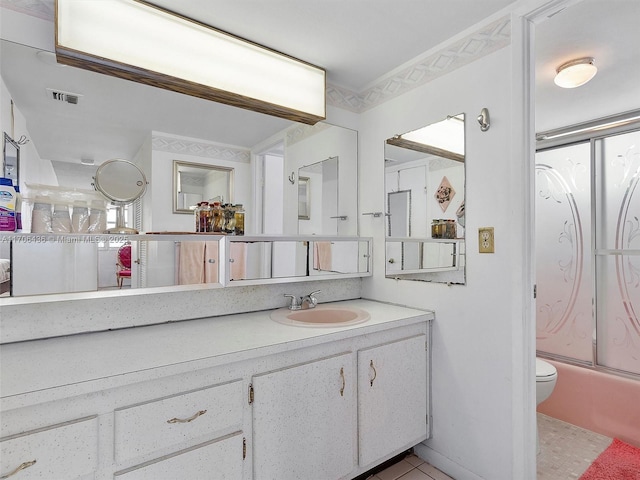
(575, 73)
(137, 41)
(444, 139)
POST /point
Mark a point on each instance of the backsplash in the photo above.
(50, 319)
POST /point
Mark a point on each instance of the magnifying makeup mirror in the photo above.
(122, 183)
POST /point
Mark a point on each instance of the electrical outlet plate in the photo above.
(485, 240)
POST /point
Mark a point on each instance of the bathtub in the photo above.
(600, 402)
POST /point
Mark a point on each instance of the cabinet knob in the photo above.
(344, 382)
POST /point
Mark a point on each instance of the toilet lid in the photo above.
(544, 369)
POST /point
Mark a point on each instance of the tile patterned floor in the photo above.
(410, 468)
(566, 451)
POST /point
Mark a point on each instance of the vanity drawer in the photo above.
(188, 417)
(220, 459)
(68, 450)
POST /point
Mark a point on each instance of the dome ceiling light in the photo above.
(576, 72)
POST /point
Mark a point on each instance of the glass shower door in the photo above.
(564, 272)
(618, 251)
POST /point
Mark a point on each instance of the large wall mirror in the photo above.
(194, 183)
(425, 203)
(177, 140)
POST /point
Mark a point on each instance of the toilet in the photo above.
(546, 376)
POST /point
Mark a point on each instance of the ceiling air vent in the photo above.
(65, 97)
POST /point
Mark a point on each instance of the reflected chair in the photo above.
(123, 265)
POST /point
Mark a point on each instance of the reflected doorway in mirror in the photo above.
(304, 194)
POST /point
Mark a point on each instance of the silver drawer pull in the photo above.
(375, 373)
(187, 420)
(21, 467)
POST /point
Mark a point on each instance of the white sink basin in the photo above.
(323, 315)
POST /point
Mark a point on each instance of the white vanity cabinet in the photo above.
(392, 398)
(68, 450)
(237, 397)
(303, 421)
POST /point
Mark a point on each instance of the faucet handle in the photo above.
(295, 302)
(313, 299)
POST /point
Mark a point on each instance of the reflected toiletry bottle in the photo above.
(218, 218)
(196, 214)
(205, 217)
(239, 218)
(450, 229)
(229, 218)
(436, 228)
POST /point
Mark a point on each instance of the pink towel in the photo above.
(191, 263)
(238, 267)
(322, 256)
(211, 262)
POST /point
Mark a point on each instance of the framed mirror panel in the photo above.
(425, 203)
(195, 182)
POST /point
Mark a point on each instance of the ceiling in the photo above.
(604, 29)
(357, 42)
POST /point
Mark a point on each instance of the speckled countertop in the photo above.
(89, 362)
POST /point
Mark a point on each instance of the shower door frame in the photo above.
(596, 254)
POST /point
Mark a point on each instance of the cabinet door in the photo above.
(218, 460)
(303, 421)
(392, 398)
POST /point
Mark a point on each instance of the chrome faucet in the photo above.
(310, 300)
(298, 303)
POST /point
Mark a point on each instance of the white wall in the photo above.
(33, 169)
(473, 379)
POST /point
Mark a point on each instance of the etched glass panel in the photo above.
(564, 324)
(618, 251)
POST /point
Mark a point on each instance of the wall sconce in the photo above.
(575, 72)
(137, 41)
